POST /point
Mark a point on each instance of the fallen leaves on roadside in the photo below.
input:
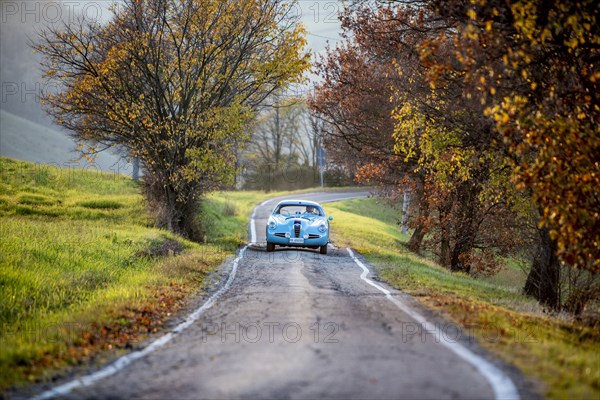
(129, 326)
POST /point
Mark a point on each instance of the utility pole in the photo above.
(321, 161)
(277, 130)
(321, 173)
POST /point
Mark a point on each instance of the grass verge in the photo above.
(84, 276)
(561, 354)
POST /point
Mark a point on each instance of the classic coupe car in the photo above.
(298, 223)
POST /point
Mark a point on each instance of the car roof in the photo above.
(298, 203)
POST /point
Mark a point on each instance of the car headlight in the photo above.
(272, 225)
(322, 228)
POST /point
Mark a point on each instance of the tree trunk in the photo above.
(444, 212)
(414, 244)
(173, 211)
(543, 279)
(172, 216)
(445, 249)
(459, 260)
(466, 231)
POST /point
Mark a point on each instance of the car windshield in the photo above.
(296, 209)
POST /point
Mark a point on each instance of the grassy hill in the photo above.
(25, 140)
(84, 275)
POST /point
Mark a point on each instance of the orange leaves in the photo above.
(355, 96)
(546, 109)
(129, 324)
(371, 173)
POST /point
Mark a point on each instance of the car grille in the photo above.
(313, 236)
(279, 234)
(297, 228)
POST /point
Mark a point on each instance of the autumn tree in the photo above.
(353, 100)
(525, 75)
(441, 124)
(275, 134)
(535, 64)
(174, 82)
(282, 146)
(401, 128)
(550, 115)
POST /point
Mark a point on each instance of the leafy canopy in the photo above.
(174, 82)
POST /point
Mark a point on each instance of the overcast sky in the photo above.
(19, 66)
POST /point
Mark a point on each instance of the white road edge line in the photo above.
(252, 238)
(124, 361)
(502, 385)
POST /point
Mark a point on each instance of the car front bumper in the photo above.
(283, 241)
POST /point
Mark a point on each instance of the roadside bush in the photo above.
(581, 291)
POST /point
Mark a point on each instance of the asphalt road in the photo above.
(300, 325)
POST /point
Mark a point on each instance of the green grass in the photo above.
(101, 204)
(225, 216)
(561, 354)
(79, 269)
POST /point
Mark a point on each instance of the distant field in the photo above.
(562, 354)
(25, 140)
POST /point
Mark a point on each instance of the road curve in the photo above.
(297, 324)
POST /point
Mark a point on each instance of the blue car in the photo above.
(298, 223)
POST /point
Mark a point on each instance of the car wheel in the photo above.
(270, 247)
(323, 249)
